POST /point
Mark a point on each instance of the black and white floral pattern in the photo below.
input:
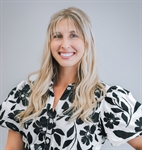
(118, 118)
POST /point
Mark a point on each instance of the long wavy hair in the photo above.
(87, 75)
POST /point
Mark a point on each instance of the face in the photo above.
(67, 45)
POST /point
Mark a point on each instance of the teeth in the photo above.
(66, 54)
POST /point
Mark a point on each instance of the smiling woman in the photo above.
(67, 107)
(67, 45)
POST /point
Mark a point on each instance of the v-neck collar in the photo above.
(63, 99)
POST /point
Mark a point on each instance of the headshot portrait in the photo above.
(71, 75)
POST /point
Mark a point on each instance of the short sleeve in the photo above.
(16, 102)
(121, 115)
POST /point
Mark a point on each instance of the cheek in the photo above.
(80, 46)
(54, 46)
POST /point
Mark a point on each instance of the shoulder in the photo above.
(119, 104)
(118, 95)
(19, 92)
(17, 101)
(18, 98)
(121, 115)
(24, 84)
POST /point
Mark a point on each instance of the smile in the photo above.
(66, 54)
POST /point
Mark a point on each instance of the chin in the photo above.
(68, 65)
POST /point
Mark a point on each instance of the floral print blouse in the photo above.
(118, 118)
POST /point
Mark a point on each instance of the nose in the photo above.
(65, 43)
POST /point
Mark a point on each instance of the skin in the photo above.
(67, 41)
(67, 47)
(14, 141)
(64, 41)
(136, 143)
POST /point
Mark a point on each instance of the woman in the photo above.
(66, 107)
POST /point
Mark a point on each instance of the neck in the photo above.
(66, 76)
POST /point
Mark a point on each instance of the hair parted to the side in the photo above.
(87, 81)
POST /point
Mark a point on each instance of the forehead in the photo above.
(66, 25)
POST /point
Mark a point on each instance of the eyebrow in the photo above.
(69, 32)
(73, 31)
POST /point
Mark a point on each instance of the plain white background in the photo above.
(117, 29)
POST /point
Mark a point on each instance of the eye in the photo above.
(57, 36)
(73, 36)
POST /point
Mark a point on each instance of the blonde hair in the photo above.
(87, 81)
